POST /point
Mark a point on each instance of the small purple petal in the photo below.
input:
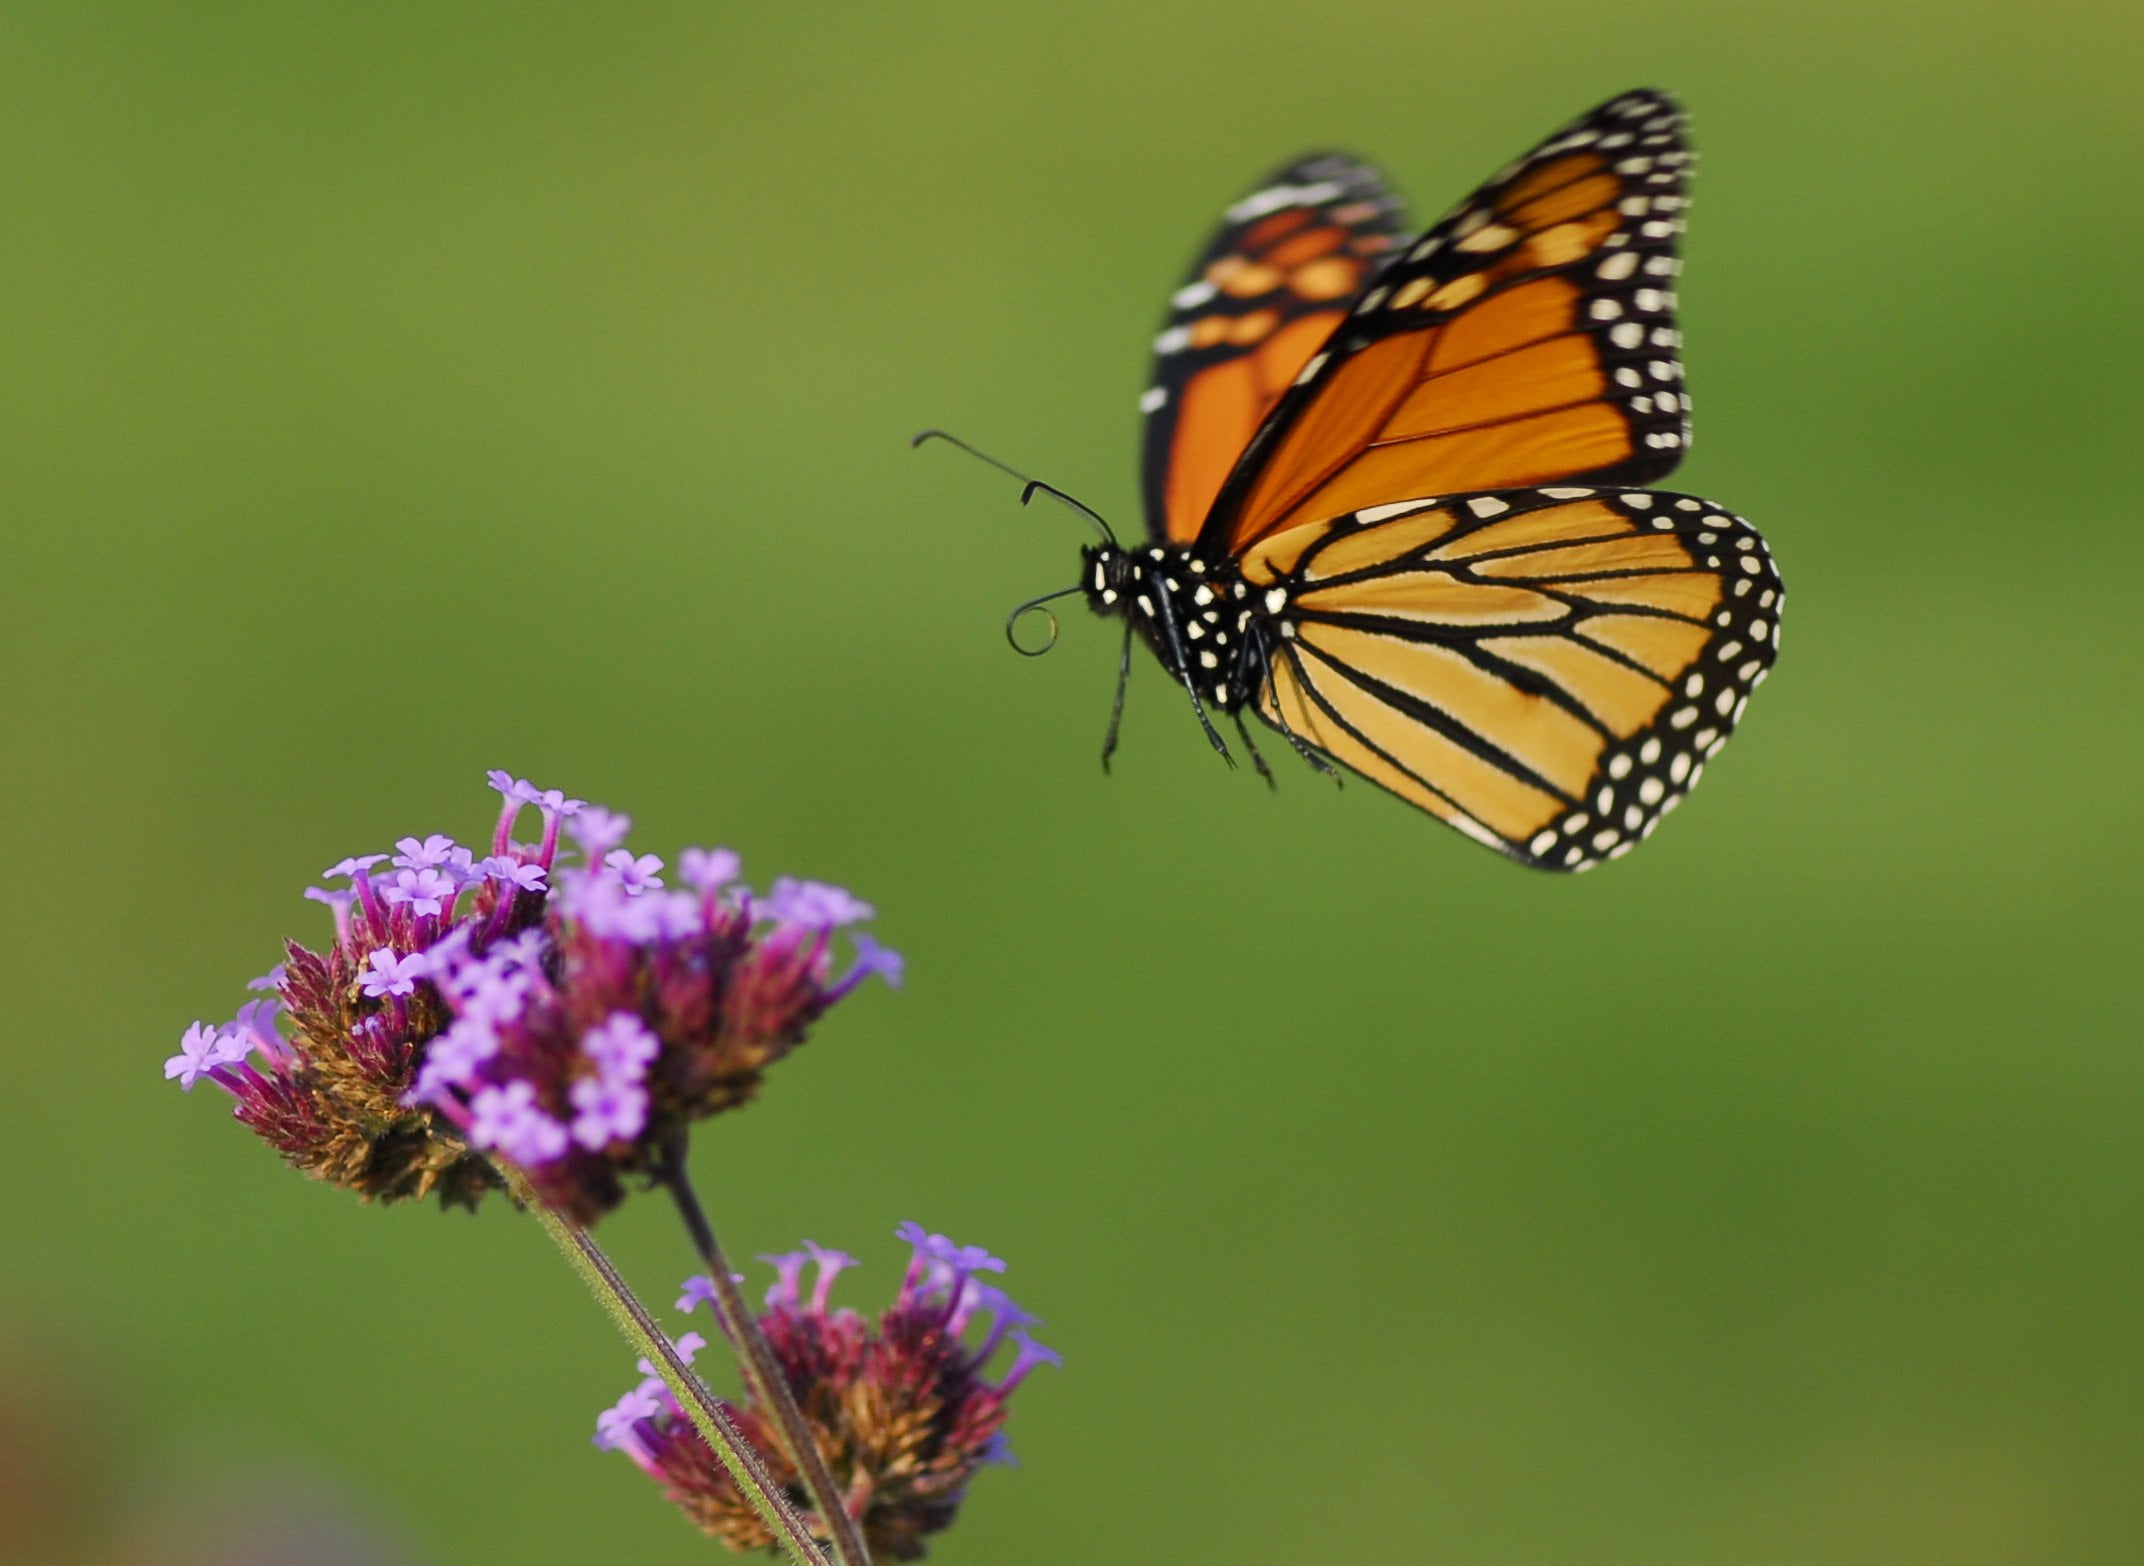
(424, 854)
(872, 958)
(598, 831)
(621, 1047)
(556, 802)
(699, 1290)
(392, 975)
(525, 950)
(1029, 1354)
(540, 1140)
(607, 1112)
(789, 1272)
(607, 910)
(351, 869)
(831, 1264)
(495, 1111)
(509, 871)
(643, 874)
(452, 1058)
(202, 1050)
(339, 905)
(936, 1247)
(270, 980)
(813, 903)
(614, 1426)
(522, 791)
(425, 891)
(708, 869)
(507, 1118)
(254, 1027)
(675, 916)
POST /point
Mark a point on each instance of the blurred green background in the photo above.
(395, 391)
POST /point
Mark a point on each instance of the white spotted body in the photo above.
(1204, 624)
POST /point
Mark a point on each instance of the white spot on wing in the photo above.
(1397, 508)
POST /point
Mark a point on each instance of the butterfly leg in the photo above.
(1258, 760)
(1176, 653)
(1116, 710)
(1315, 761)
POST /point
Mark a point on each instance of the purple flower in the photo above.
(202, 1050)
(872, 958)
(607, 1111)
(614, 1426)
(525, 951)
(678, 915)
(425, 891)
(936, 1248)
(813, 903)
(601, 904)
(831, 1263)
(520, 874)
(351, 869)
(268, 980)
(598, 831)
(621, 1047)
(508, 1119)
(639, 875)
(392, 975)
(453, 1058)
(1028, 1354)
(482, 977)
(254, 1029)
(438, 849)
(522, 792)
(700, 1290)
(499, 997)
(707, 870)
(788, 1273)
(907, 1382)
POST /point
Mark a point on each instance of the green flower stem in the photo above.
(762, 1370)
(700, 1405)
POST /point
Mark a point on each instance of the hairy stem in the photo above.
(700, 1405)
(762, 1371)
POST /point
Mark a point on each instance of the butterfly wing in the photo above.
(1527, 338)
(1266, 294)
(1546, 669)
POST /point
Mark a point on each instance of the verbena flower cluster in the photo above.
(903, 1410)
(571, 1018)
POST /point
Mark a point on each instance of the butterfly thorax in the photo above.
(1194, 611)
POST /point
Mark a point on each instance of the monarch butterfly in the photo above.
(1392, 495)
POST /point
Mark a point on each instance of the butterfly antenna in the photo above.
(1116, 710)
(1033, 484)
(1035, 606)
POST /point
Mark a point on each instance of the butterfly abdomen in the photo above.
(1202, 621)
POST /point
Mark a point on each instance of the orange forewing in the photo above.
(1526, 339)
